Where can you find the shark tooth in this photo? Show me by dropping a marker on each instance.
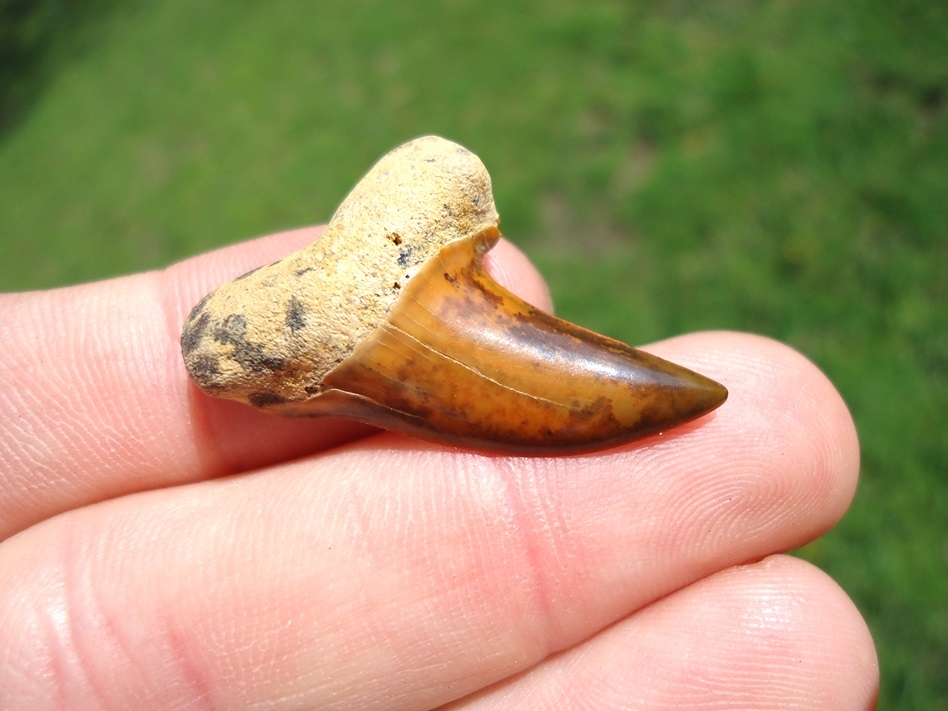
(390, 318)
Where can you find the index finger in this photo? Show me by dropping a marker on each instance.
(97, 402)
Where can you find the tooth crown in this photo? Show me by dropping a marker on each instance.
(272, 335)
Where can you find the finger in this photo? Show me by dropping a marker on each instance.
(397, 573)
(777, 634)
(96, 402)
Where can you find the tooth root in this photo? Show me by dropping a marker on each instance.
(460, 359)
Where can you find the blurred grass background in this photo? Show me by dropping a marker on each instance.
(777, 167)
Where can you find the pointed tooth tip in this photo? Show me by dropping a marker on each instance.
(704, 394)
(677, 395)
(715, 394)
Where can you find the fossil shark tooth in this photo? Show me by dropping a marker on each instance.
(391, 318)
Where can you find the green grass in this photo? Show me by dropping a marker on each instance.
(773, 167)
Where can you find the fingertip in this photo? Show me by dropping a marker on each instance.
(795, 603)
(784, 427)
(801, 635)
(801, 400)
(780, 626)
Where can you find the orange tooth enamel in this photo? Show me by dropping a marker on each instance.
(462, 360)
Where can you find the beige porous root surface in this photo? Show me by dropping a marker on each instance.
(271, 336)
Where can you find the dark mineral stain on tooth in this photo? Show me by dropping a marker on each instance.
(204, 368)
(247, 274)
(199, 306)
(295, 315)
(262, 399)
(194, 331)
(250, 356)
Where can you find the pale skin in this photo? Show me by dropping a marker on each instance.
(165, 550)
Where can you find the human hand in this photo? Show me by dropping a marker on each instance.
(164, 550)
